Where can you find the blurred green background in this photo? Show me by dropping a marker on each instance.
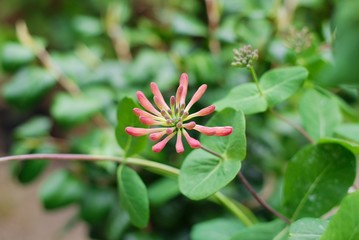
(65, 65)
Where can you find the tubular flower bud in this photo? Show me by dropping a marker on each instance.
(168, 121)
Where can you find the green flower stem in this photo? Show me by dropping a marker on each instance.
(212, 152)
(255, 79)
(251, 190)
(295, 126)
(231, 206)
(156, 167)
(260, 200)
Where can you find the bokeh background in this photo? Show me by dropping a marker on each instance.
(65, 65)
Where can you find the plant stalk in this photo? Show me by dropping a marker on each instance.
(255, 79)
(260, 200)
(156, 167)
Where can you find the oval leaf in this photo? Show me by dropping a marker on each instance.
(203, 174)
(316, 180)
(232, 146)
(215, 229)
(60, 189)
(28, 86)
(260, 231)
(71, 110)
(319, 119)
(279, 84)
(125, 118)
(245, 97)
(133, 196)
(345, 223)
(307, 229)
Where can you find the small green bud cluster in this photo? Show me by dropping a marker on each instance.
(244, 57)
(299, 40)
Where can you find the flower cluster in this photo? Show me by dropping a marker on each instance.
(299, 40)
(244, 56)
(166, 121)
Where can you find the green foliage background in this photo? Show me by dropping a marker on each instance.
(60, 92)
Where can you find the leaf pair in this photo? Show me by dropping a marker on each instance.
(276, 85)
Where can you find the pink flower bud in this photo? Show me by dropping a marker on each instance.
(157, 136)
(209, 131)
(160, 104)
(193, 143)
(197, 95)
(149, 121)
(203, 112)
(160, 145)
(141, 113)
(157, 93)
(223, 131)
(178, 96)
(184, 84)
(147, 104)
(190, 125)
(179, 144)
(136, 132)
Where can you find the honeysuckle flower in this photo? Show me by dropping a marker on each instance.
(167, 121)
(245, 56)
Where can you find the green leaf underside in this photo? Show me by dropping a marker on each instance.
(245, 97)
(162, 191)
(345, 223)
(203, 174)
(126, 118)
(233, 146)
(317, 178)
(60, 189)
(28, 86)
(279, 84)
(320, 114)
(221, 228)
(353, 147)
(133, 196)
(260, 231)
(349, 131)
(72, 110)
(307, 229)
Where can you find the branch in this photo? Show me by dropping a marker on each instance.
(295, 126)
(260, 200)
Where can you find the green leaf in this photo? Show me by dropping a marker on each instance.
(345, 223)
(35, 127)
(352, 146)
(162, 191)
(15, 55)
(72, 110)
(96, 204)
(349, 131)
(117, 223)
(187, 25)
(133, 196)
(244, 97)
(260, 231)
(320, 114)
(28, 86)
(232, 146)
(203, 174)
(27, 171)
(87, 26)
(126, 118)
(316, 180)
(281, 83)
(60, 189)
(307, 229)
(221, 228)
